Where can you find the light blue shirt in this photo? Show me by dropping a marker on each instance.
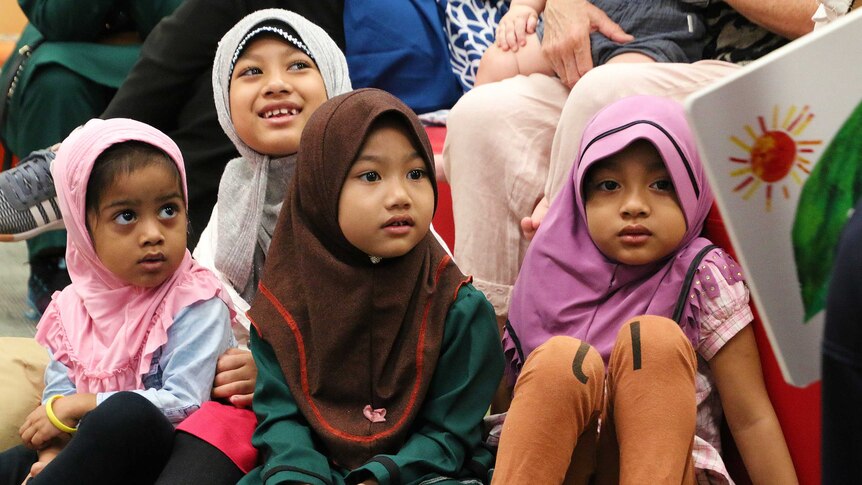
(181, 371)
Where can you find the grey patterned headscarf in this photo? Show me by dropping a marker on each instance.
(248, 205)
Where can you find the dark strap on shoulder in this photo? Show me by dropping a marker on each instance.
(686, 285)
(8, 83)
(517, 342)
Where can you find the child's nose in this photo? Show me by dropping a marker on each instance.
(276, 83)
(635, 204)
(151, 232)
(397, 195)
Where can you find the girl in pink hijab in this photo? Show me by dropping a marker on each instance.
(625, 324)
(140, 314)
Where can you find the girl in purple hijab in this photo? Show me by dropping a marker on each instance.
(625, 324)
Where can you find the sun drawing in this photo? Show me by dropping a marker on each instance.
(774, 154)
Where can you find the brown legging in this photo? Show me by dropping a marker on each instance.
(551, 432)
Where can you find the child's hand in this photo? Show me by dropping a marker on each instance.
(235, 377)
(37, 430)
(514, 27)
(530, 224)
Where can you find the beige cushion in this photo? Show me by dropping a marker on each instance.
(22, 376)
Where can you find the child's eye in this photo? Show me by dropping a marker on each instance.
(250, 71)
(125, 217)
(298, 66)
(169, 211)
(416, 174)
(370, 177)
(663, 185)
(607, 185)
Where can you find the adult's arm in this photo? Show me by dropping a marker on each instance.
(788, 18)
(181, 49)
(568, 24)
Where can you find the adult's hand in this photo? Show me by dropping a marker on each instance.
(235, 377)
(566, 43)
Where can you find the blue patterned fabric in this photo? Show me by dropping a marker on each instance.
(470, 25)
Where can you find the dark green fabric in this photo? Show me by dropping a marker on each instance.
(71, 33)
(446, 434)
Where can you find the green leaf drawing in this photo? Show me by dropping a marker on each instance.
(827, 198)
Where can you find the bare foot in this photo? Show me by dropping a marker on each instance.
(529, 225)
(45, 457)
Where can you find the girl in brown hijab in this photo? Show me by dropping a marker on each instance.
(377, 358)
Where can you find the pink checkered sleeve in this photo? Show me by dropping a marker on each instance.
(722, 317)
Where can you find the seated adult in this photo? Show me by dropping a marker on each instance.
(70, 59)
(510, 144)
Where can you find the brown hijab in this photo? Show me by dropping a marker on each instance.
(356, 340)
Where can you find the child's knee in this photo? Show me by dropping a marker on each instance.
(658, 340)
(563, 358)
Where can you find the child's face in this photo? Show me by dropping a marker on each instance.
(139, 227)
(387, 201)
(633, 214)
(274, 89)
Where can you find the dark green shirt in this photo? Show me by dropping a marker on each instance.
(446, 436)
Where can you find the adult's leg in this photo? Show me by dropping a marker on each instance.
(56, 100)
(610, 82)
(194, 461)
(549, 435)
(496, 155)
(842, 361)
(15, 465)
(652, 411)
(126, 439)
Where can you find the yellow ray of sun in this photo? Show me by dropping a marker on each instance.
(740, 143)
(740, 171)
(751, 132)
(756, 185)
(788, 117)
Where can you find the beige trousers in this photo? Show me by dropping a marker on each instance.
(646, 403)
(509, 143)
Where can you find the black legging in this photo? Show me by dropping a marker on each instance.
(126, 439)
(194, 461)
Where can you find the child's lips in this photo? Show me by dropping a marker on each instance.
(398, 225)
(635, 234)
(279, 113)
(152, 261)
(276, 111)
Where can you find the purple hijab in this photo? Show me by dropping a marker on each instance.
(566, 286)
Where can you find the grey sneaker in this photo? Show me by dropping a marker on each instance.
(28, 201)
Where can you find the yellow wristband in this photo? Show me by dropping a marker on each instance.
(49, 409)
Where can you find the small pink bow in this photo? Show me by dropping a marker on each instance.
(374, 415)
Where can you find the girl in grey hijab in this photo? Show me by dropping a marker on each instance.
(251, 191)
(271, 71)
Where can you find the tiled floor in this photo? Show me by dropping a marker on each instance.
(13, 291)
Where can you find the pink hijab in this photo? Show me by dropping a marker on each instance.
(104, 330)
(566, 286)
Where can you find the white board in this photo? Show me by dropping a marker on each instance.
(763, 134)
